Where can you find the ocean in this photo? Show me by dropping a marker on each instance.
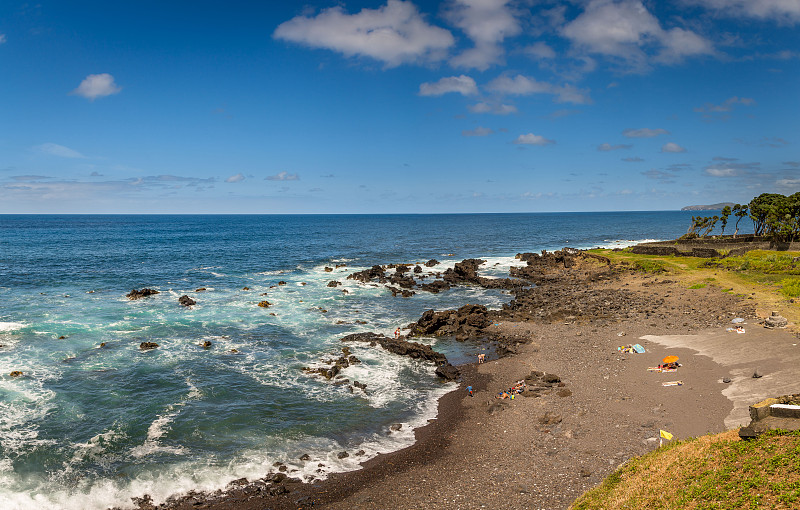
(88, 426)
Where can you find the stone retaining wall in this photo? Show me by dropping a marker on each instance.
(712, 247)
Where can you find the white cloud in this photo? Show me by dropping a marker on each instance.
(59, 150)
(644, 132)
(522, 86)
(783, 11)
(282, 176)
(531, 139)
(463, 84)
(788, 183)
(626, 29)
(540, 51)
(708, 109)
(721, 171)
(678, 43)
(395, 33)
(605, 147)
(672, 147)
(731, 169)
(519, 85)
(97, 85)
(487, 23)
(634, 159)
(235, 178)
(496, 109)
(478, 131)
(3, 38)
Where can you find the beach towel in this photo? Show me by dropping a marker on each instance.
(638, 348)
(672, 383)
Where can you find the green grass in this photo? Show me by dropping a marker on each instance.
(767, 262)
(649, 266)
(718, 471)
(698, 286)
(790, 287)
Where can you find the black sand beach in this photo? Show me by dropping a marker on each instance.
(557, 439)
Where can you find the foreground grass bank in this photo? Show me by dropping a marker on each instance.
(717, 471)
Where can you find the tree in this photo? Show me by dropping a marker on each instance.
(783, 218)
(740, 211)
(710, 221)
(726, 211)
(760, 208)
(701, 226)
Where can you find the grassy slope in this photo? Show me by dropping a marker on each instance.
(716, 471)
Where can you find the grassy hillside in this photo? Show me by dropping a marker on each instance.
(717, 471)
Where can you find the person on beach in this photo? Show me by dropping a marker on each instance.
(481, 358)
(469, 390)
(397, 333)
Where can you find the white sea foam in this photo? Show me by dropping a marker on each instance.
(7, 327)
(161, 426)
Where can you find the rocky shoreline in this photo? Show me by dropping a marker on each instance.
(567, 316)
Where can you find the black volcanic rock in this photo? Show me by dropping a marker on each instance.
(465, 271)
(374, 273)
(186, 300)
(466, 322)
(138, 294)
(403, 347)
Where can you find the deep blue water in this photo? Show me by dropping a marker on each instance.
(90, 427)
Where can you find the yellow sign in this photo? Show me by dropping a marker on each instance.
(666, 435)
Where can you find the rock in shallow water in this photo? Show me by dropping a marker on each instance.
(186, 300)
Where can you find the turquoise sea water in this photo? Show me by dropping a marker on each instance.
(90, 427)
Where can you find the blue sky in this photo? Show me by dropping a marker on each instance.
(396, 106)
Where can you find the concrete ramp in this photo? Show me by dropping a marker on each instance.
(775, 354)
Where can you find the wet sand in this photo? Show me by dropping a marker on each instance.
(543, 451)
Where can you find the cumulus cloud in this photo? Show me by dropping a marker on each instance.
(235, 178)
(520, 85)
(625, 29)
(531, 139)
(487, 23)
(496, 109)
(644, 132)
(478, 131)
(282, 176)
(395, 33)
(672, 147)
(605, 147)
(463, 85)
(97, 85)
(782, 11)
(59, 150)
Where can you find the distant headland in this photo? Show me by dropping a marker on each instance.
(712, 207)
